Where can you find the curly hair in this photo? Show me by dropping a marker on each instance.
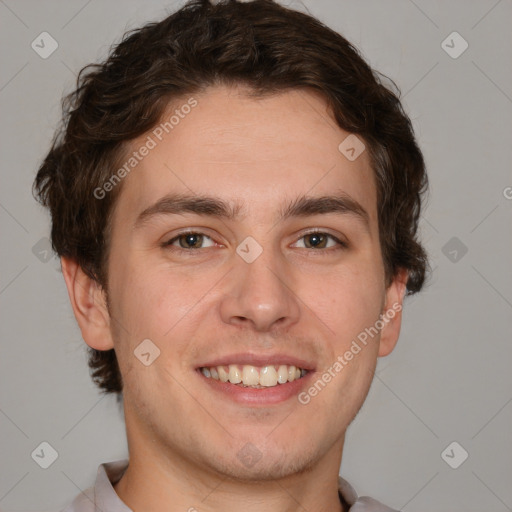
(259, 44)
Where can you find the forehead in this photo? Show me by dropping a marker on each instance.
(252, 151)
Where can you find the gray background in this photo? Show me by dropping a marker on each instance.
(449, 378)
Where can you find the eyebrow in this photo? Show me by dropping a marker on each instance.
(303, 206)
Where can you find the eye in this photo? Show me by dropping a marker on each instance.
(189, 240)
(320, 240)
(192, 240)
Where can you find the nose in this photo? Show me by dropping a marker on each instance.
(260, 295)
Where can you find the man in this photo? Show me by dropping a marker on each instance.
(235, 199)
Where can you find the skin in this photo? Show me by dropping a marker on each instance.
(295, 299)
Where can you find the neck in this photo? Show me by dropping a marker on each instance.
(177, 479)
(148, 487)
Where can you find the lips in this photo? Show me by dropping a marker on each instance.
(217, 374)
(269, 394)
(259, 360)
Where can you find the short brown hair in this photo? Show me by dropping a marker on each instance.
(259, 44)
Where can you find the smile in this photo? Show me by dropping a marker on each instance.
(254, 376)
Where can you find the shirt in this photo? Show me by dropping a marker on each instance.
(103, 497)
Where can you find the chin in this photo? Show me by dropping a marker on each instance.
(272, 463)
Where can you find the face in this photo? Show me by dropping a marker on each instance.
(279, 264)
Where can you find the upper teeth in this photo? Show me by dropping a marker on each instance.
(248, 375)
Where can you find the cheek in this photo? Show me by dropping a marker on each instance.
(152, 306)
(164, 306)
(150, 300)
(347, 301)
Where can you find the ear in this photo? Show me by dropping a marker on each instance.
(392, 313)
(89, 305)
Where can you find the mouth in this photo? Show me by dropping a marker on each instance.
(253, 386)
(255, 377)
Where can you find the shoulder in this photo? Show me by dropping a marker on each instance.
(356, 503)
(84, 502)
(102, 496)
(367, 504)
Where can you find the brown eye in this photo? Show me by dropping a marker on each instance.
(320, 240)
(315, 240)
(189, 240)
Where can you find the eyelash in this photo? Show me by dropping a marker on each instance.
(168, 243)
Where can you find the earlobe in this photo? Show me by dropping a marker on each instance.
(392, 313)
(89, 305)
